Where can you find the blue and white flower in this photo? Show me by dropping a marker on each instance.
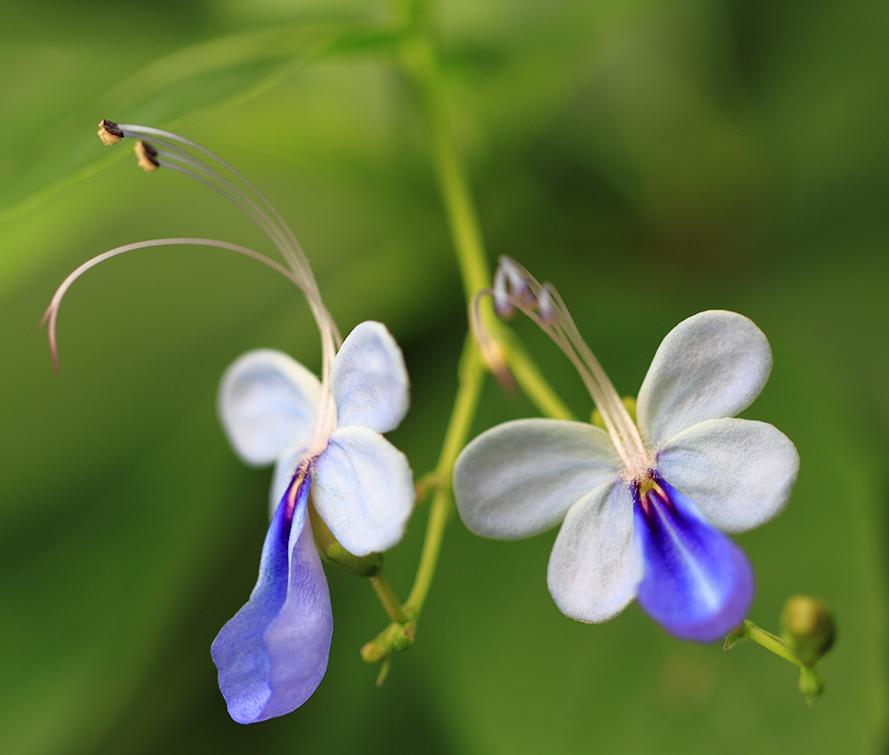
(325, 440)
(643, 505)
(324, 437)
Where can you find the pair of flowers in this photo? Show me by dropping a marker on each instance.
(643, 503)
(653, 532)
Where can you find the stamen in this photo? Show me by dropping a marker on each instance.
(518, 285)
(168, 149)
(295, 487)
(543, 304)
(283, 238)
(490, 348)
(109, 132)
(51, 315)
(146, 155)
(500, 292)
(294, 253)
(647, 491)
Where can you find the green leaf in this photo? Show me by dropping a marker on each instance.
(216, 74)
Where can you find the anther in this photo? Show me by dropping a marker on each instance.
(502, 304)
(515, 282)
(146, 155)
(109, 132)
(545, 307)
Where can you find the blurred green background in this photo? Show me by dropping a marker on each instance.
(652, 159)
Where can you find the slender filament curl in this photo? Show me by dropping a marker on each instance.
(543, 305)
(51, 316)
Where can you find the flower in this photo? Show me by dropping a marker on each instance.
(272, 654)
(325, 437)
(643, 505)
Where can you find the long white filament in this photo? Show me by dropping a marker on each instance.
(295, 254)
(543, 304)
(50, 318)
(222, 177)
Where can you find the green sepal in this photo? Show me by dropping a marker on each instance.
(333, 553)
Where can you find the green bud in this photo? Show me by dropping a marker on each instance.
(810, 684)
(808, 628)
(629, 403)
(333, 553)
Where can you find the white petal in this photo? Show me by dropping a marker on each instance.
(519, 478)
(267, 403)
(364, 490)
(595, 566)
(739, 472)
(711, 365)
(369, 379)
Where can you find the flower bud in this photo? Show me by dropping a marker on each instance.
(331, 551)
(810, 684)
(808, 628)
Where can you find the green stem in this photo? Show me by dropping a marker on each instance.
(421, 66)
(809, 683)
(420, 63)
(534, 385)
(770, 642)
(387, 598)
(470, 386)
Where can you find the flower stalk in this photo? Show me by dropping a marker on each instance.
(420, 64)
(498, 353)
(801, 646)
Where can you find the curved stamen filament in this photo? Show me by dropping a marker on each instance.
(206, 175)
(50, 318)
(268, 219)
(296, 256)
(544, 306)
(195, 161)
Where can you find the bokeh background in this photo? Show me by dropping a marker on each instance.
(653, 159)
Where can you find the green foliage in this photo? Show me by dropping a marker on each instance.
(226, 72)
(653, 160)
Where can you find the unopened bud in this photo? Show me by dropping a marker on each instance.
(545, 305)
(509, 279)
(109, 132)
(331, 551)
(146, 155)
(810, 684)
(502, 305)
(808, 628)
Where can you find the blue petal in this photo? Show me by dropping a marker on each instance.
(272, 654)
(697, 583)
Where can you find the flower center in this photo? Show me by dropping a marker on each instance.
(648, 492)
(300, 478)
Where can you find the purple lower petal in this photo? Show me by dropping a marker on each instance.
(697, 583)
(272, 655)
